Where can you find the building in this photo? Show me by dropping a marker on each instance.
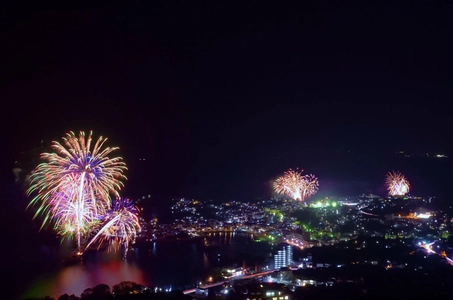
(297, 239)
(232, 272)
(284, 258)
(280, 259)
(261, 291)
(289, 255)
(307, 262)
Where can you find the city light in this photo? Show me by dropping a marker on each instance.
(423, 216)
(323, 204)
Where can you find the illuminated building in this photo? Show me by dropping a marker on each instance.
(284, 258)
(232, 272)
(261, 291)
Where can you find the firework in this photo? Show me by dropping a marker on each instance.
(74, 183)
(397, 184)
(290, 184)
(73, 217)
(121, 224)
(311, 186)
(296, 186)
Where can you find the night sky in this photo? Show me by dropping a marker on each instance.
(221, 98)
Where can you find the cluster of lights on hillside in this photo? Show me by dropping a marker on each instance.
(323, 204)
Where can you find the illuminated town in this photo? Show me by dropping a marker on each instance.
(390, 232)
(310, 236)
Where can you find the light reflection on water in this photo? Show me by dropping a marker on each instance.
(158, 264)
(74, 279)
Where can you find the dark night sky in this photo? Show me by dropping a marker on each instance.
(221, 98)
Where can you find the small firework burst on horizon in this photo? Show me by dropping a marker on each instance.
(295, 185)
(397, 184)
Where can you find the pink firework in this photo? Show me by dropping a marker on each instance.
(296, 186)
(311, 186)
(120, 225)
(397, 184)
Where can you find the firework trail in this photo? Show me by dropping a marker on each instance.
(73, 217)
(397, 184)
(74, 182)
(296, 186)
(311, 186)
(120, 224)
(290, 184)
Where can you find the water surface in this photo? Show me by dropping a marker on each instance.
(164, 264)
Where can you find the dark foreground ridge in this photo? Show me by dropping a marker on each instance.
(358, 283)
